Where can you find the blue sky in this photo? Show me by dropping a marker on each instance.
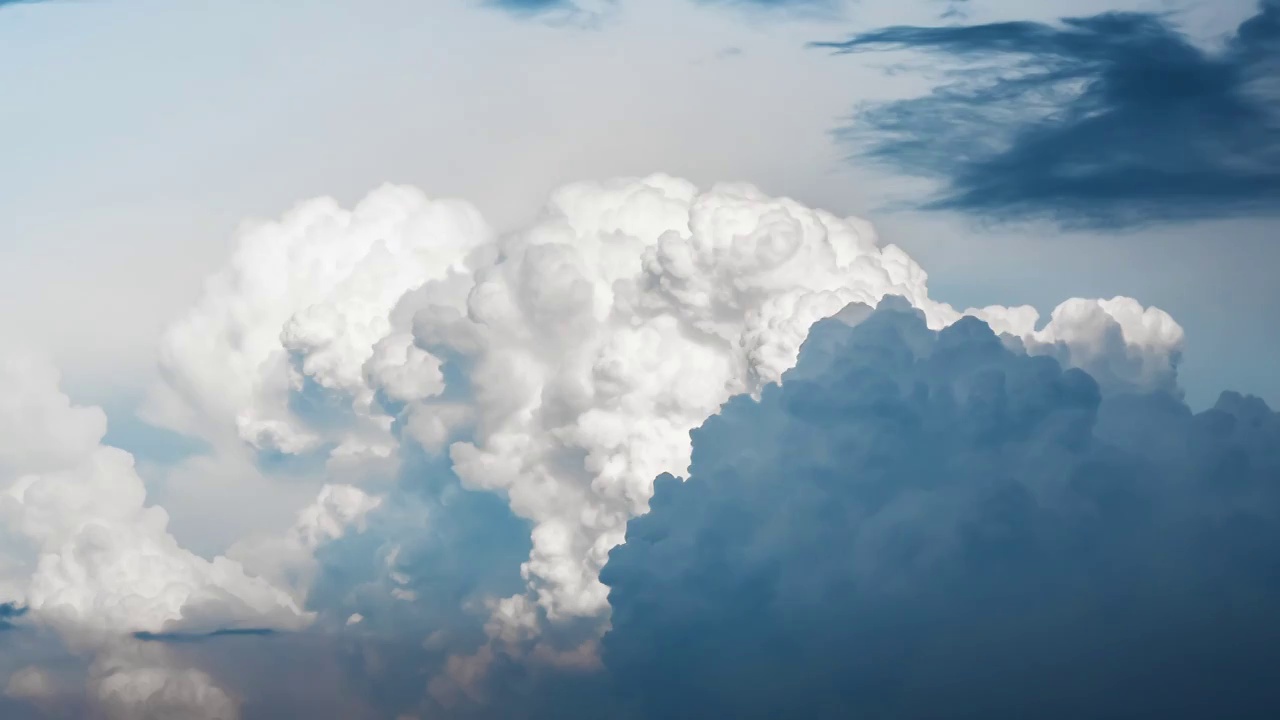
(135, 172)
(161, 247)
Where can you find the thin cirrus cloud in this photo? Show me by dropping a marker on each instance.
(1113, 120)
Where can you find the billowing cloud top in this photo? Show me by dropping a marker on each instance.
(90, 557)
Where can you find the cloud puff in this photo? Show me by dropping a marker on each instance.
(290, 324)
(923, 523)
(1111, 120)
(144, 682)
(289, 560)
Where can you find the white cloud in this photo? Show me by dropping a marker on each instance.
(1122, 344)
(86, 556)
(302, 304)
(289, 560)
(30, 683)
(145, 683)
(590, 342)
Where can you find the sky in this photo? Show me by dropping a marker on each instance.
(351, 337)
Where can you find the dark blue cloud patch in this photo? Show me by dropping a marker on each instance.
(923, 524)
(530, 7)
(1112, 120)
(188, 638)
(8, 613)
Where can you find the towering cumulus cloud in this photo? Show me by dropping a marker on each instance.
(930, 524)
(560, 366)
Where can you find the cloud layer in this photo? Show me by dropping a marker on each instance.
(923, 524)
(1111, 120)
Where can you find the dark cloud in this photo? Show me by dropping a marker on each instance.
(8, 613)
(925, 524)
(1105, 121)
(171, 637)
(530, 7)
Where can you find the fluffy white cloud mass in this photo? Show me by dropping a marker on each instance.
(85, 553)
(562, 365)
(301, 306)
(82, 553)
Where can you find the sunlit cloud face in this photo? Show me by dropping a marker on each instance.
(1111, 120)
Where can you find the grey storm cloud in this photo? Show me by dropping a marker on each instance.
(1113, 120)
(922, 524)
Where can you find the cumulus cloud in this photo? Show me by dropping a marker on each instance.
(85, 555)
(291, 323)
(1065, 122)
(142, 683)
(30, 683)
(289, 561)
(560, 366)
(1121, 343)
(922, 523)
